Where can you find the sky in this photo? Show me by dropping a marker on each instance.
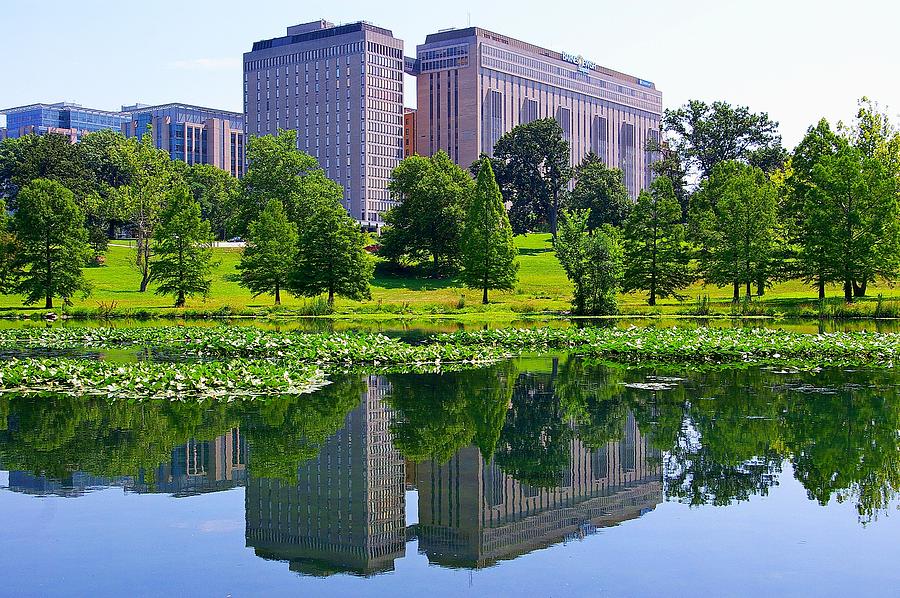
(797, 60)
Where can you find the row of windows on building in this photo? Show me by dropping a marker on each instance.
(307, 56)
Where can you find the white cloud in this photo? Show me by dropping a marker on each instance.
(206, 64)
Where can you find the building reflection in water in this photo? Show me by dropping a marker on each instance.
(472, 514)
(346, 511)
(196, 467)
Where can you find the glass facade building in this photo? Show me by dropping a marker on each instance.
(192, 134)
(72, 120)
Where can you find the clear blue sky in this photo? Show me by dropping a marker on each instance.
(798, 60)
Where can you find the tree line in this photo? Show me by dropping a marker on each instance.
(67, 201)
(728, 206)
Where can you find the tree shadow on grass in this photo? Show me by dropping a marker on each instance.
(530, 251)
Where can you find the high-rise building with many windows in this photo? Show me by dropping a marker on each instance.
(192, 134)
(474, 85)
(62, 118)
(341, 89)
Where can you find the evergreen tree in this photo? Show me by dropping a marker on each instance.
(489, 251)
(331, 256)
(183, 263)
(733, 218)
(656, 257)
(268, 258)
(592, 260)
(51, 243)
(601, 190)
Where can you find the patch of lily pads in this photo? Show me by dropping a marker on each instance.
(236, 379)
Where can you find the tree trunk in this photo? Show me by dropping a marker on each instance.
(749, 292)
(484, 297)
(179, 302)
(821, 289)
(848, 291)
(737, 292)
(48, 302)
(859, 290)
(277, 295)
(330, 297)
(554, 214)
(760, 288)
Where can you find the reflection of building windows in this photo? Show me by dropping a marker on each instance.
(600, 138)
(529, 111)
(494, 485)
(626, 156)
(600, 463)
(628, 447)
(495, 104)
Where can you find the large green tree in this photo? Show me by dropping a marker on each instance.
(276, 169)
(217, 193)
(183, 256)
(734, 219)
(532, 169)
(489, 251)
(602, 190)
(331, 256)
(592, 260)
(656, 255)
(428, 221)
(704, 135)
(142, 199)
(268, 258)
(51, 243)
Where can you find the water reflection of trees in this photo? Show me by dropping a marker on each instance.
(724, 434)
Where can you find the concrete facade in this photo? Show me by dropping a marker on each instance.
(474, 85)
(409, 133)
(341, 89)
(192, 134)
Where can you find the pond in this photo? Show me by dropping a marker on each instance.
(538, 476)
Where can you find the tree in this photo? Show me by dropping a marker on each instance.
(275, 169)
(489, 251)
(733, 219)
(602, 190)
(331, 256)
(656, 256)
(216, 191)
(52, 243)
(592, 260)
(532, 164)
(183, 263)
(142, 200)
(809, 219)
(429, 218)
(705, 135)
(268, 258)
(858, 197)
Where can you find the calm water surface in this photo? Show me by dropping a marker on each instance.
(544, 476)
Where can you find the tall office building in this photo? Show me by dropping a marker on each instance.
(346, 511)
(61, 118)
(474, 85)
(341, 89)
(192, 134)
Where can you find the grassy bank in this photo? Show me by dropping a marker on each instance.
(543, 291)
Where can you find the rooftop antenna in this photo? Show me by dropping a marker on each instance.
(469, 14)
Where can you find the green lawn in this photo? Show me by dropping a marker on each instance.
(542, 289)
